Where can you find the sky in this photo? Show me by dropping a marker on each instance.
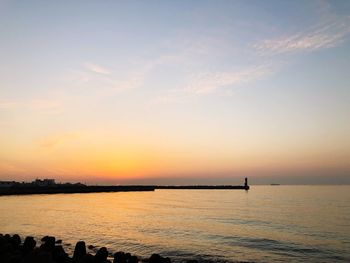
(175, 92)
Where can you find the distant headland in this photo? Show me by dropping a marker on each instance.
(49, 186)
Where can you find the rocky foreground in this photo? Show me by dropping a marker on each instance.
(13, 250)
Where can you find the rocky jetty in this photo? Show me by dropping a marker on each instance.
(50, 250)
(28, 189)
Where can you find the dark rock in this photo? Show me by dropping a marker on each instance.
(11, 251)
(88, 258)
(29, 244)
(59, 255)
(5, 258)
(49, 244)
(101, 255)
(156, 258)
(119, 257)
(44, 257)
(5, 247)
(30, 257)
(91, 247)
(79, 251)
(7, 238)
(2, 241)
(133, 259)
(44, 239)
(16, 240)
(16, 258)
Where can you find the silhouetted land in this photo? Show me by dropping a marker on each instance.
(13, 250)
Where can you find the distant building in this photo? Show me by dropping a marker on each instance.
(44, 182)
(4, 184)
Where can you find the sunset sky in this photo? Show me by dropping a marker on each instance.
(175, 91)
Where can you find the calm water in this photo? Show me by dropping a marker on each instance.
(266, 224)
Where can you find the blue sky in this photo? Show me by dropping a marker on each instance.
(188, 89)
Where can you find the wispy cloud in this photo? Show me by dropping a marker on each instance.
(325, 35)
(212, 82)
(219, 83)
(183, 50)
(97, 69)
(108, 81)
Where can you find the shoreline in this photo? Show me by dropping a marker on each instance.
(49, 250)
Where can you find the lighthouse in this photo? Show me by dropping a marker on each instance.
(246, 186)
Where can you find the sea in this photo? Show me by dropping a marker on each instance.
(264, 224)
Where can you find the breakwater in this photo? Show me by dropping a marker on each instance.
(28, 190)
(63, 189)
(13, 250)
(204, 187)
